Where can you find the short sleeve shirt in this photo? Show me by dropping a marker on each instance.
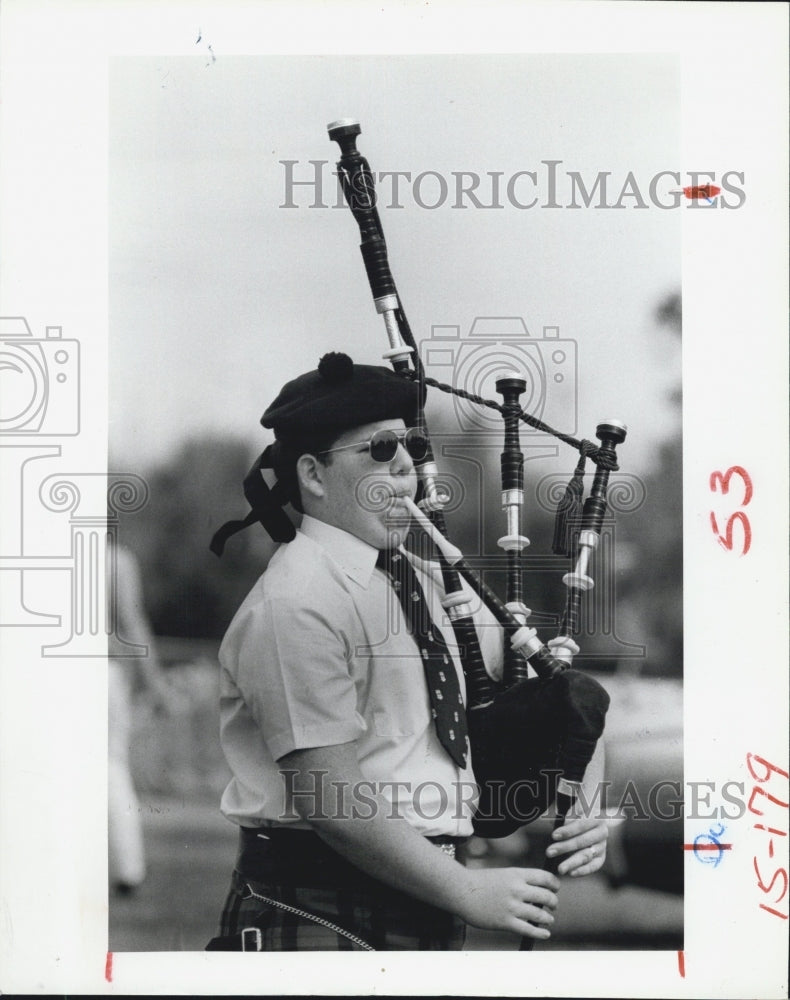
(318, 655)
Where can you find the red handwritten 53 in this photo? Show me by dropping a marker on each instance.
(720, 483)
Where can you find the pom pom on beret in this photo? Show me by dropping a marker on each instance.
(335, 368)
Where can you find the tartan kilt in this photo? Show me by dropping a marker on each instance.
(382, 918)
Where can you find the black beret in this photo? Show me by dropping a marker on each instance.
(340, 395)
(318, 406)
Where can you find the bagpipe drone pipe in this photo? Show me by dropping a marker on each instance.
(537, 733)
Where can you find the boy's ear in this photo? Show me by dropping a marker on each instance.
(310, 473)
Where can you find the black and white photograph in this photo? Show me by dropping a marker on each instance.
(507, 198)
(387, 500)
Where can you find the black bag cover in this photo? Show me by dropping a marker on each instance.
(529, 736)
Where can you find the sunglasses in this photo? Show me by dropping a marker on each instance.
(383, 446)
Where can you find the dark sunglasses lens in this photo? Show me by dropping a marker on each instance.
(416, 444)
(383, 446)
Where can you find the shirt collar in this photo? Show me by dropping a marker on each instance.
(356, 558)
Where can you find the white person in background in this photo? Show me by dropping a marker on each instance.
(130, 678)
(343, 785)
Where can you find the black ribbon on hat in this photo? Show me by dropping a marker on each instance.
(267, 505)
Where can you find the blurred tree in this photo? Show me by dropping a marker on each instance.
(652, 588)
(188, 590)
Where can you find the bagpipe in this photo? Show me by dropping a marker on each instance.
(532, 737)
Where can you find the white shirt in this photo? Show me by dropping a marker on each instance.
(319, 654)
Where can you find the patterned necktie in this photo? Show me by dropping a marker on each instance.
(447, 706)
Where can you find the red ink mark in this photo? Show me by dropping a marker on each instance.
(707, 847)
(780, 872)
(768, 767)
(720, 482)
(702, 191)
(762, 791)
(727, 540)
(723, 479)
(682, 964)
(779, 875)
(770, 829)
(108, 967)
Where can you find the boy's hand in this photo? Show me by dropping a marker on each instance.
(512, 899)
(584, 841)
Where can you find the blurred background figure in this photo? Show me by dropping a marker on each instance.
(129, 678)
